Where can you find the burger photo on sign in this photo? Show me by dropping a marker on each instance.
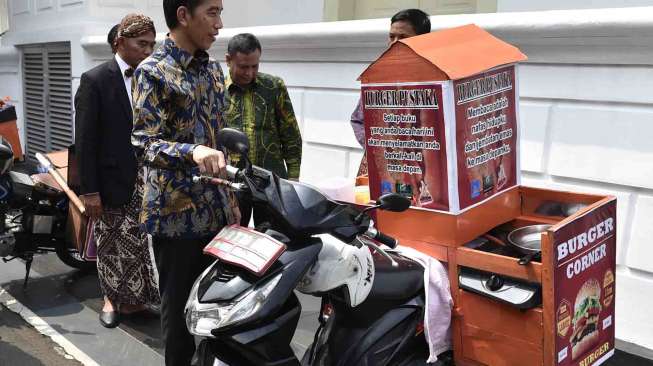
(585, 334)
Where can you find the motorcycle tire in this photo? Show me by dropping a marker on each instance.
(204, 356)
(72, 258)
(324, 360)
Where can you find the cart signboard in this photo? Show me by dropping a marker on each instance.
(486, 134)
(441, 123)
(406, 145)
(584, 287)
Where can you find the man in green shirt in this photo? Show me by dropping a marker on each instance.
(259, 105)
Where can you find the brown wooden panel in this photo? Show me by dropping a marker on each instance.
(495, 263)
(451, 230)
(534, 197)
(494, 349)
(9, 130)
(493, 333)
(502, 318)
(436, 251)
(401, 64)
(548, 300)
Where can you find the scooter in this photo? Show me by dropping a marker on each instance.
(33, 214)
(244, 307)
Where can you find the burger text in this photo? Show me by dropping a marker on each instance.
(578, 242)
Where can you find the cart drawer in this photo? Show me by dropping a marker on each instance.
(498, 334)
(493, 349)
(489, 262)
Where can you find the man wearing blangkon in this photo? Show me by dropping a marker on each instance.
(178, 100)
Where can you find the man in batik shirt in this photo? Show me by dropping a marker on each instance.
(178, 99)
(258, 104)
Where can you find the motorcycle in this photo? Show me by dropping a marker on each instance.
(33, 215)
(244, 309)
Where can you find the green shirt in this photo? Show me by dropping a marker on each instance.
(263, 111)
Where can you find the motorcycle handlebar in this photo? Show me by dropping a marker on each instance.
(231, 171)
(382, 238)
(218, 182)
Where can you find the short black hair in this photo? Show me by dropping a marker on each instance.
(170, 10)
(417, 18)
(244, 43)
(111, 37)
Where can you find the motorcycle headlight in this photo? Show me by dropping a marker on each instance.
(202, 318)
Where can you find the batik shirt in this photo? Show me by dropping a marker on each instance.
(178, 100)
(263, 111)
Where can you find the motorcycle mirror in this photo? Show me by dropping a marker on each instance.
(233, 140)
(393, 202)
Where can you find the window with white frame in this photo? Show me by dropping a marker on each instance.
(4, 17)
(48, 97)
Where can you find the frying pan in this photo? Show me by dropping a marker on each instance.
(527, 240)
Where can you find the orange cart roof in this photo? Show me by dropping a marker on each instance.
(457, 52)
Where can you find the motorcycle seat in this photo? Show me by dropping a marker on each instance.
(396, 283)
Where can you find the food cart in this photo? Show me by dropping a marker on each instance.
(442, 128)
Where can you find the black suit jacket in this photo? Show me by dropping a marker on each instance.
(103, 127)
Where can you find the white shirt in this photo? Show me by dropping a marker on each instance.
(128, 80)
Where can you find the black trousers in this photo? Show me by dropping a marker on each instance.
(179, 263)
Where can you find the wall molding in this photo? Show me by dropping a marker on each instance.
(597, 36)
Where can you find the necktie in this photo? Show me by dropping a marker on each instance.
(129, 72)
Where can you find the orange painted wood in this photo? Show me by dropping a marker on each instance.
(400, 64)
(492, 333)
(436, 251)
(453, 53)
(9, 130)
(491, 348)
(447, 229)
(548, 304)
(600, 201)
(500, 264)
(536, 220)
(533, 197)
(501, 319)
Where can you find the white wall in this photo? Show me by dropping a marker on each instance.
(586, 112)
(242, 13)
(533, 5)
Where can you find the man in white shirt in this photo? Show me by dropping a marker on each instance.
(108, 172)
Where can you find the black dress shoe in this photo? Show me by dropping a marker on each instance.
(109, 319)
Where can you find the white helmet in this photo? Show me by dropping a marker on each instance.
(340, 264)
(6, 155)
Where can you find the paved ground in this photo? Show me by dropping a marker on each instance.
(21, 344)
(69, 302)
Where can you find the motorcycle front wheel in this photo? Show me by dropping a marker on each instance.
(204, 356)
(72, 258)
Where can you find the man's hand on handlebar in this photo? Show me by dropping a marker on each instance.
(210, 161)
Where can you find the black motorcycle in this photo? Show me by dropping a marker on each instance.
(33, 215)
(244, 306)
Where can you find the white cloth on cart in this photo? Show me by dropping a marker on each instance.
(439, 304)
